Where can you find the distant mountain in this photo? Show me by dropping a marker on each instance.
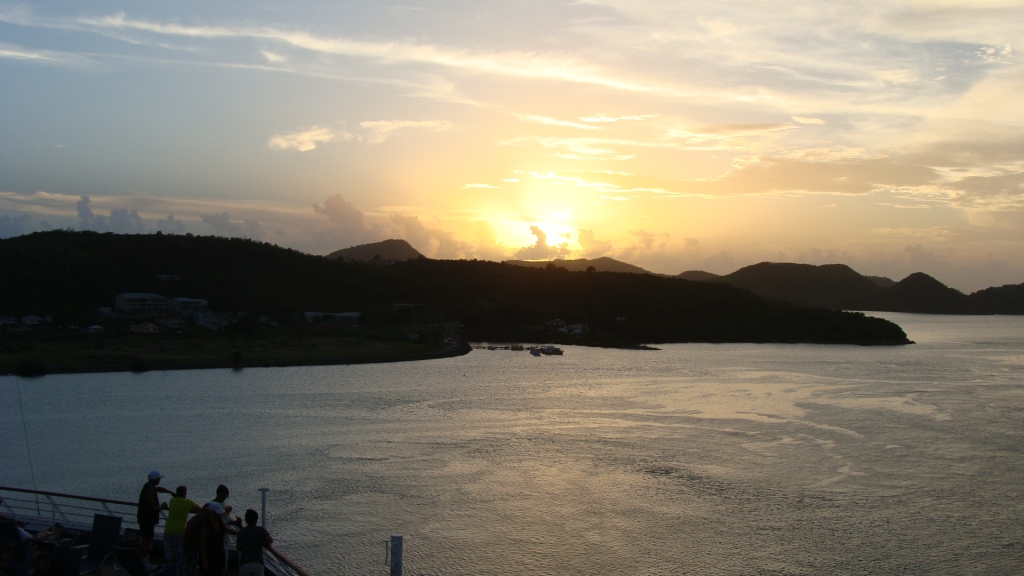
(882, 281)
(602, 264)
(71, 274)
(387, 251)
(920, 292)
(1008, 299)
(829, 286)
(839, 287)
(697, 275)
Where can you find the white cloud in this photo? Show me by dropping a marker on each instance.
(273, 57)
(514, 63)
(380, 130)
(605, 118)
(554, 122)
(16, 53)
(306, 140)
(717, 27)
(807, 120)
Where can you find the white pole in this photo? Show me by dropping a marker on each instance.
(396, 555)
(263, 512)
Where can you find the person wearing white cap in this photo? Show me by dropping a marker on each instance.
(212, 559)
(149, 512)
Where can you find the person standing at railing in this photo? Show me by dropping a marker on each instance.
(149, 512)
(178, 509)
(226, 517)
(211, 541)
(251, 541)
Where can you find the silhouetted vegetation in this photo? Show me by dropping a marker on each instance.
(838, 286)
(70, 274)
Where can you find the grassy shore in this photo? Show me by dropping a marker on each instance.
(32, 353)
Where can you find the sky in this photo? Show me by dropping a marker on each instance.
(886, 135)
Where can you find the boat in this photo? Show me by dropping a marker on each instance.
(516, 347)
(535, 351)
(551, 351)
(74, 520)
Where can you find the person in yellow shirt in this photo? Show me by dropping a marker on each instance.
(178, 509)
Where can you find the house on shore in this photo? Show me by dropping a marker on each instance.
(145, 328)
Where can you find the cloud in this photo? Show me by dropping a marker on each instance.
(380, 130)
(171, 225)
(17, 53)
(717, 27)
(273, 57)
(120, 220)
(223, 226)
(766, 175)
(541, 250)
(85, 214)
(13, 52)
(341, 212)
(599, 118)
(11, 226)
(806, 120)
(306, 140)
(487, 245)
(433, 242)
(515, 63)
(1004, 187)
(592, 247)
(554, 122)
(648, 241)
(480, 186)
(350, 225)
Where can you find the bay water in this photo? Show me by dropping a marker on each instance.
(695, 459)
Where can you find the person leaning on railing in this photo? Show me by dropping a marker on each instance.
(149, 512)
(178, 509)
(250, 543)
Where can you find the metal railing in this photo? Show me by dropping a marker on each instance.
(280, 564)
(39, 508)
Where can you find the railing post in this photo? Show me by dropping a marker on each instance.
(263, 511)
(396, 555)
(54, 508)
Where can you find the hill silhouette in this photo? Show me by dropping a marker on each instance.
(829, 286)
(839, 287)
(696, 275)
(602, 264)
(387, 251)
(70, 274)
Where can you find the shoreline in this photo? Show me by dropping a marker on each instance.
(140, 367)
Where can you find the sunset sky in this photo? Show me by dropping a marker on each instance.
(887, 135)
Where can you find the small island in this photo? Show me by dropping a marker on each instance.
(83, 301)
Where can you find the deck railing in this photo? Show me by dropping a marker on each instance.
(39, 509)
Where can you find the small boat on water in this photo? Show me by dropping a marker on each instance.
(516, 347)
(547, 350)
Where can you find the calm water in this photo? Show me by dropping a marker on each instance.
(698, 459)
